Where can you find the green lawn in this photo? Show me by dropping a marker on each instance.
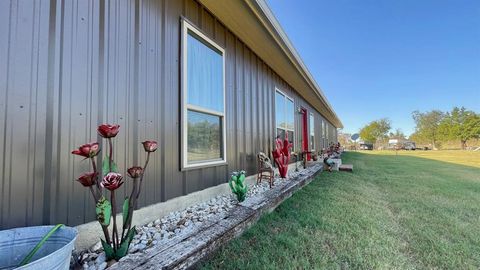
(410, 211)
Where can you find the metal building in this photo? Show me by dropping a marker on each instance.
(68, 65)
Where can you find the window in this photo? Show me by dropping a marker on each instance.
(323, 133)
(312, 132)
(327, 135)
(284, 115)
(203, 100)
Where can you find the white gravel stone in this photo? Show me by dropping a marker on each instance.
(102, 266)
(96, 247)
(101, 258)
(141, 246)
(180, 222)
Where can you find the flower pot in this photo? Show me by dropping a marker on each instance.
(55, 253)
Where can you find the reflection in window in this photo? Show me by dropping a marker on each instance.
(326, 135)
(204, 111)
(204, 75)
(323, 133)
(204, 137)
(312, 132)
(280, 110)
(289, 112)
(284, 116)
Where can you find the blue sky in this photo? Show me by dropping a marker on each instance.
(387, 58)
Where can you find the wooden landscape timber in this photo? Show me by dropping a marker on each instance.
(185, 251)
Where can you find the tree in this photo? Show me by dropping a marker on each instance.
(460, 124)
(427, 125)
(375, 130)
(343, 138)
(414, 137)
(397, 135)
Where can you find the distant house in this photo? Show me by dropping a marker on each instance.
(395, 143)
(160, 69)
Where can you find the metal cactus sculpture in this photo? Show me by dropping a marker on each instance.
(116, 245)
(238, 185)
(281, 155)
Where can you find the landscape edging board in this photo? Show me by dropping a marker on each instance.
(186, 251)
(89, 233)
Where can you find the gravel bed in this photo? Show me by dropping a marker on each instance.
(176, 224)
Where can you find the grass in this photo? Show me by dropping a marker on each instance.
(469, 158)
(411, 211)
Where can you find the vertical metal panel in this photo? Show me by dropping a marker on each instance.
(240, 104)
(173, 186)
(260, 108)
(266, 110)
(254, 119)
(231, 108)
(220, 35)
(247, 110)
(76, 113)
(23, 50)
(150, 91)
(271, 107)
(68, 65)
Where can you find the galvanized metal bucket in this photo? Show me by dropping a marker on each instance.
(55, 253)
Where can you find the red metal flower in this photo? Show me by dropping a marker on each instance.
(88, 150)
(150, 146)
(87, 179)
(112, 181)
(135, 172)
(108, 131)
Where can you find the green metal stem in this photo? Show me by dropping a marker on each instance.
(27, 259)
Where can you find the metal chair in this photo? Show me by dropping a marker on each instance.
(265, 169)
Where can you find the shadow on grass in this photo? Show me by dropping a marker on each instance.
(398, 212)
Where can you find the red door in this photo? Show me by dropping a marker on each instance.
(305, 132)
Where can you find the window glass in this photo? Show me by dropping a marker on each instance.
(284, 116)
(289, 114)
(290, 136)
(323, 129)
(205, 75)
(204, 137)
(280, 110)
(312, 132)
(281, 133)
(203, 112)
(323, 134)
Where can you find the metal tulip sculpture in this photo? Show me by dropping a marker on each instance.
(281, 155)
(115, 246)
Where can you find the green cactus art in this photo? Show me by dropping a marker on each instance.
(238, 185)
